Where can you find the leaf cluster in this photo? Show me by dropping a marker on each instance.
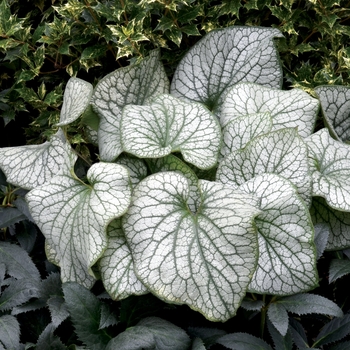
(80, 37)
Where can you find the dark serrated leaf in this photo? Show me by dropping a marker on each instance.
(321, 238)
(333, 331)
(58, 310)
(243, 341)
(303, 304)
(48, 340)
(341, 346)
(209, 335)
(26, 235)
(9, 332)
(252, 305)
(338, 268)
(151, 333)
(17, 293)
(108, 316)
(2, 273)
(22, 206)
(18, 262)
(10, 216)
(198, 344)
(278, 316)
(280, 342)
(298, 334)
(85, 311)
(30, 306)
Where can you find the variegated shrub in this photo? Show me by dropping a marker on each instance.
(206, 188)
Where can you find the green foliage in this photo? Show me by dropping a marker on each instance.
(249, 212)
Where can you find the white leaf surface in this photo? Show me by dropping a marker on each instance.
(171, 125)
(335, 104)
(129, 85)
(76, 98)
(74, 216)
(288, 109)
(203, 259)
(33, 165)
(224, 58)
(330, 167)
(172, 163)
(280, 152)
(287, 253)
(239, 131)
(116, 266)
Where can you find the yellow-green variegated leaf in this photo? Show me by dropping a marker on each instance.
(76, 98)
(224, 58)
(280, 152)
(116, 266)
(330, 167)
(292, 108)
(171, 125)
(335, 104)
(133, 84)
(338, 223)
(204, 259)
(33, 165)
(287, 253)
(74, 216)
(239, 131)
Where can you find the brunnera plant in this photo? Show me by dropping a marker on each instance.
(206, 188)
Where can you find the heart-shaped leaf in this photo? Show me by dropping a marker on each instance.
(129, 85)
(74, 216)
(33, 165)
(76, 98)
(280, 152)
(171, 125)
(204, 259)
(116, 266)
(292, 108)
(239, 131)
(330, 167)
(287, 254)
(338, 222)
(335, 103)
(224, 58)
